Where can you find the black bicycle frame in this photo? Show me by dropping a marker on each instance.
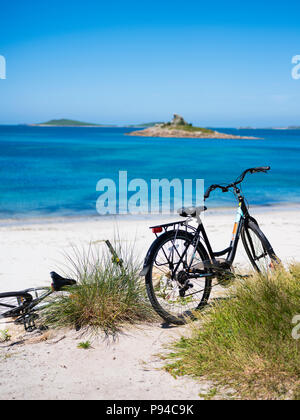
(25, 313)
(241, 217)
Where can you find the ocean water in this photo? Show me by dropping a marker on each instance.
(50, 171)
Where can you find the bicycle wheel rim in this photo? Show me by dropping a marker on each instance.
(164, 293)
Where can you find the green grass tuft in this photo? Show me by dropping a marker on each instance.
(106, 297)
(4, 336)
(246, 341)
(188, 127)
(209, 395)
(84, 345)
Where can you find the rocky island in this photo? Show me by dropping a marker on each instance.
(178, 127)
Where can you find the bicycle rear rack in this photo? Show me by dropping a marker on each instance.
(175, 226)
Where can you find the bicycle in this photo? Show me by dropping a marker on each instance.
(180, 264)
(23, 305)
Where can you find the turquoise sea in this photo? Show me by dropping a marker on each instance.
(50, 171)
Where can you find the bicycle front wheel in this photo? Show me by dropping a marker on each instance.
(175, 250)
(258, 248)
(12, 304)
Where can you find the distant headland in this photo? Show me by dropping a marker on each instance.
(64, 122)
(68, 123)
(178, 127)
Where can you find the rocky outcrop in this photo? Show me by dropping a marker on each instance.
(178, 120)
(178, 127)
(159, 131)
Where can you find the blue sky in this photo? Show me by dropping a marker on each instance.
(220, 63)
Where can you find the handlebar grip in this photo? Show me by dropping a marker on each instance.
(209, 190)
(260, 169)
(206, 195)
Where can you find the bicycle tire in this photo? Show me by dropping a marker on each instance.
(13, 304)
(253, 238)
(153, 296)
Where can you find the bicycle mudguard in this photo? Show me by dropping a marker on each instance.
(250, 218)
(145, 270)
(146, 265)
(147, 260)
(267, 244)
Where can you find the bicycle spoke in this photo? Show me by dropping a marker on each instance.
(181, 255)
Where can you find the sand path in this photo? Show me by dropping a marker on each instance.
(128, 368)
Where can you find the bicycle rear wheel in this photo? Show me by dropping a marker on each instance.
(13, 304)
(258, 248)
(163, 286)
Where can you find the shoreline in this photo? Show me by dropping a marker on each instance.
(78, 218)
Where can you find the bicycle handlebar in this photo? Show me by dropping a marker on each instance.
(238, 181)
(260, 169)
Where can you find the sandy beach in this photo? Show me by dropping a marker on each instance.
(121, 369)
(31, 249)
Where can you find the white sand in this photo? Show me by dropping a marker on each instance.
(28, 252)
(121, 370)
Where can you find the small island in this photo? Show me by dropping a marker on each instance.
(178, 127)
(68, 123)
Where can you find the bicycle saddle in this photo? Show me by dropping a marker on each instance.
(58, 282)
(191, 211)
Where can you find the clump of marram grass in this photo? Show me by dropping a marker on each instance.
(246, 341)
(84, 345)
(107, 294)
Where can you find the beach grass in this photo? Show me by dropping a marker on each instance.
(84, 345)
(246, 342)
(107, 296)
(4, 336)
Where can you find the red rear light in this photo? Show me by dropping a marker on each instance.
(157, 229)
